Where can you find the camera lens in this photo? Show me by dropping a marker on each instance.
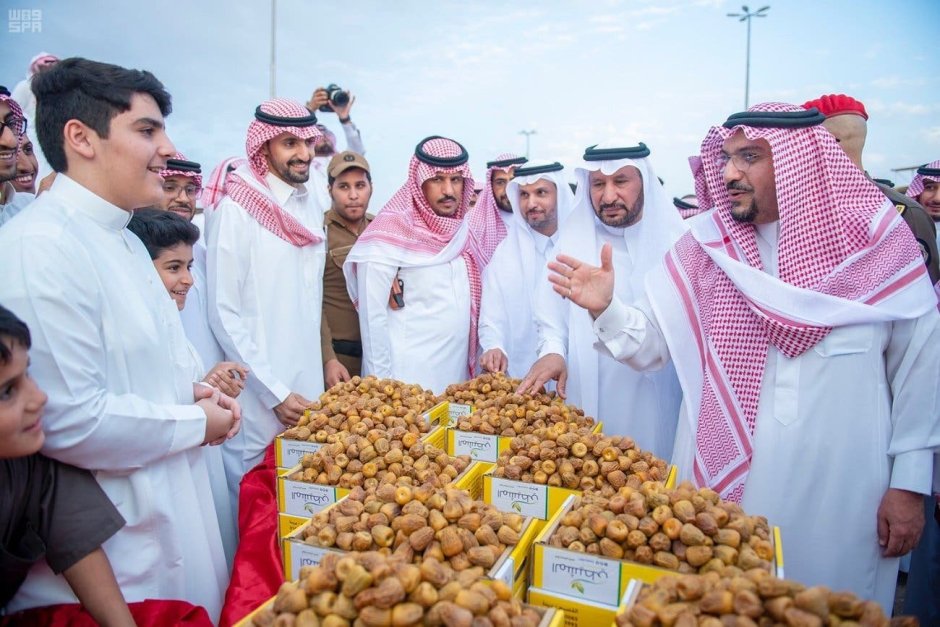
(339, 97)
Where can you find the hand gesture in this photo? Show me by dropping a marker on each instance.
(334, 372)
(547, 368)
(494, 360)
(900, 521)
(343, 112)
(290, 411)
(587, 286)
(223, 414)
(228, 377)
(319, 98)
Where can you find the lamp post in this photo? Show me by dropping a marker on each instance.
(527, 134)
(746, 17)
(273, 68)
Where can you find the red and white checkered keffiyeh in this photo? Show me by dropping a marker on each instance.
(838, 237)
(702, 196)
(15, 107)
(486, 196)
(407, 232)
(257, 198)
(917, 185)
(197, 178)
(214, 190)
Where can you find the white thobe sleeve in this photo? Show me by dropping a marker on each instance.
(493, 323)
(551, 319)
(87, 424)
(353, 138)
(631, 336)
(375, 281)
(912, 360)
(227, 269)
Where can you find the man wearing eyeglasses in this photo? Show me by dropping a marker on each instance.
(182, 183)
(12, 129)
(804, 330)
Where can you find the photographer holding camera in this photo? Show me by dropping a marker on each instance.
(331, 98)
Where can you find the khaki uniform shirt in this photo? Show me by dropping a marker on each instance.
(921, 224)
(340, 319)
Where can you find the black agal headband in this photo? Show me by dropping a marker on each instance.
(681, 204)
(277, 120)
(505, 163)
(594, 153)
(776, 119)
(925, 171)
(183, 166)
(538, 169)
(440, 162)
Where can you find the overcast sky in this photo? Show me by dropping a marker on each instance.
(480, 71)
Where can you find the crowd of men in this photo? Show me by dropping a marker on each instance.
(775, 335)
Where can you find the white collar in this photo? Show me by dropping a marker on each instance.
(82, 199)
(282, 190)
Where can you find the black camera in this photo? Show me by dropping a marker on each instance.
(337, 96)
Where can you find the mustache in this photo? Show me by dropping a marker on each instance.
(445, 198)
(298, 162)
(741, 187)
(613, 205)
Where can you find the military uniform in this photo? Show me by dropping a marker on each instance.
(339, 329)
(923, 227)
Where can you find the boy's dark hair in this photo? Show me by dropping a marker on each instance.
(331, 179)
(90, 92)
(15, 329)
(159, 230)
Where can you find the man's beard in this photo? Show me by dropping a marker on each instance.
(502, 202)
(292, 177)
(748, 216)
(632, 214)
(324, 150)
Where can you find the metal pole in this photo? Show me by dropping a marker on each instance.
(747, 65)
(273, 69)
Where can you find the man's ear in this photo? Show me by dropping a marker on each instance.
(80, 139)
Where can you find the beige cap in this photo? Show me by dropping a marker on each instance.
(345, 160)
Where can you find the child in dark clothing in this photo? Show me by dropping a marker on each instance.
(48, 510)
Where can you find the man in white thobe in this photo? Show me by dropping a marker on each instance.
(109, 348)
(805, 334)
(415, 273)
(620, 203)
(265, 252)
(499, 172)
(540, 199)
(11, 138)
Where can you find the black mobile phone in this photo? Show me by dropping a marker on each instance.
(400, 297)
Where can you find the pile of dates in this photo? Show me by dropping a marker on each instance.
(374, 590)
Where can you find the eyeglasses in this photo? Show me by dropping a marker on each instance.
(15, 123)
(174, 189)
(743, 159)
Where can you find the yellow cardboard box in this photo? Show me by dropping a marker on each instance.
(594, 577)
(300, 498)
(550, 617)
(510, 567)
(578, 612)
(287, 523)
(479, 446)
(288, 453)
(534, 499)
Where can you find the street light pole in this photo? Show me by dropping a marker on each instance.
(746, 17)
(527, 134)
(273, 68)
